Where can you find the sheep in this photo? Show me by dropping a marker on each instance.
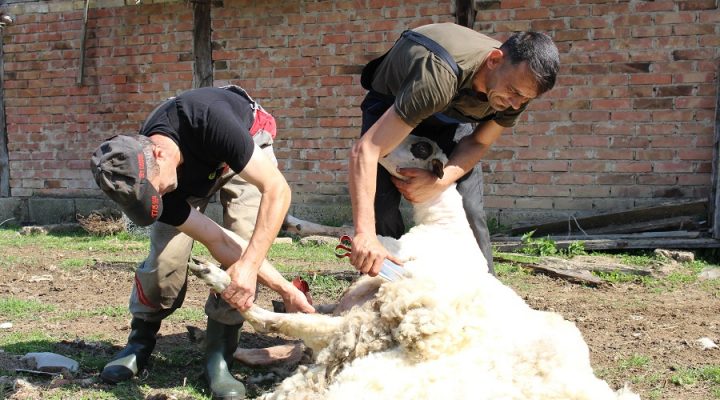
(448, 329)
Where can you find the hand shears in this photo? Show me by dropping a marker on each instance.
(389, 270)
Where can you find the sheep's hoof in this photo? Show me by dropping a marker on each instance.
(261, 320)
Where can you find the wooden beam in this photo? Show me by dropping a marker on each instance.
(501, 244)
(714, 203)
(202, 44)
(653, 213)
(81, 70)
(4, 157)
(465, 13)
(686, 223)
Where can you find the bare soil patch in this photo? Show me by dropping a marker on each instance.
(618, 321)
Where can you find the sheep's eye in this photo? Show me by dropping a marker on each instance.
(421, 150)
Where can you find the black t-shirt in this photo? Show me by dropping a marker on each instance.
(211, 126)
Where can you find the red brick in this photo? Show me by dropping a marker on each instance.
(646, 79)
(570, 10)
(680, 166)
(549, 165)
(610, 104)
(590, 191)
(636, 116)
(590, 116)
(695, 102)
(697, 5)
(694, 29)
(664, 5)
(532, 13)
(695, 154)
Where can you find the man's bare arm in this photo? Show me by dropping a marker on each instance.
(379, 140)
(471, 149)
(421, 185)
(226, 247)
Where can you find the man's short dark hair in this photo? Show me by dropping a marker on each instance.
(540, 53)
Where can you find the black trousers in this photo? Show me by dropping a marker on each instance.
(388, 219)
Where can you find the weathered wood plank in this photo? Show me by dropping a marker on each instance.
(301, 227)
(619, 244)
(465, 13)
(81, 71)
(202, 44)
(661, 211)
(714, 209)
(577, 276)
(4, 155)
(668, 224)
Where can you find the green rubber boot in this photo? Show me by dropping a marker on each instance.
(136, 354)
(221, 342)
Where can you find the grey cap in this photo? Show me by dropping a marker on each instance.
(120, 170)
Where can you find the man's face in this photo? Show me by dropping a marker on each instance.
(510, 86)
(166, 180)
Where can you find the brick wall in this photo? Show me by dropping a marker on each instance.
(632, 119)
(136, 56)
(630, 123)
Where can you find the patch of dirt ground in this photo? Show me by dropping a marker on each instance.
(620, 323)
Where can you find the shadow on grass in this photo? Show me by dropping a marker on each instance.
(175, 369)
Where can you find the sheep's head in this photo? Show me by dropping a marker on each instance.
(415, 152)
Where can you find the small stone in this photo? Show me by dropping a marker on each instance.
(709, 273)
(707, 343)
(317, 240)
(283, 240)
(51, 362)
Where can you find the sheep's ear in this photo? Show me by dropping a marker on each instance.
(438, 168)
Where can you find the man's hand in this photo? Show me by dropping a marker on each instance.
(296, 301)
(368, 254)
(419, 185)
(241, 292)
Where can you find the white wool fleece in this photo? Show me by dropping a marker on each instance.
(438, 337)
(499, 349)
(448, 330)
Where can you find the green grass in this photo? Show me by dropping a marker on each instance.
(14, 308)
(187, 314)
(304, 252)
(25, 342)
(110, 312)
(297, 257)
(74, 263)
(635, 361)
(693, 376)
(123, 245)
(326, 286)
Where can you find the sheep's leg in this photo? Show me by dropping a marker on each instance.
(313, 329)
(359, 293)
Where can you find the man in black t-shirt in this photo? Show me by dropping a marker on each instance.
(201, 142)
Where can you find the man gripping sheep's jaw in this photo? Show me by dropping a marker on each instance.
(434, 79)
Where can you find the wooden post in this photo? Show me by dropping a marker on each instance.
(465, 13)
(202, 44)
(714, 203)
(4, 157)
(81, 71)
